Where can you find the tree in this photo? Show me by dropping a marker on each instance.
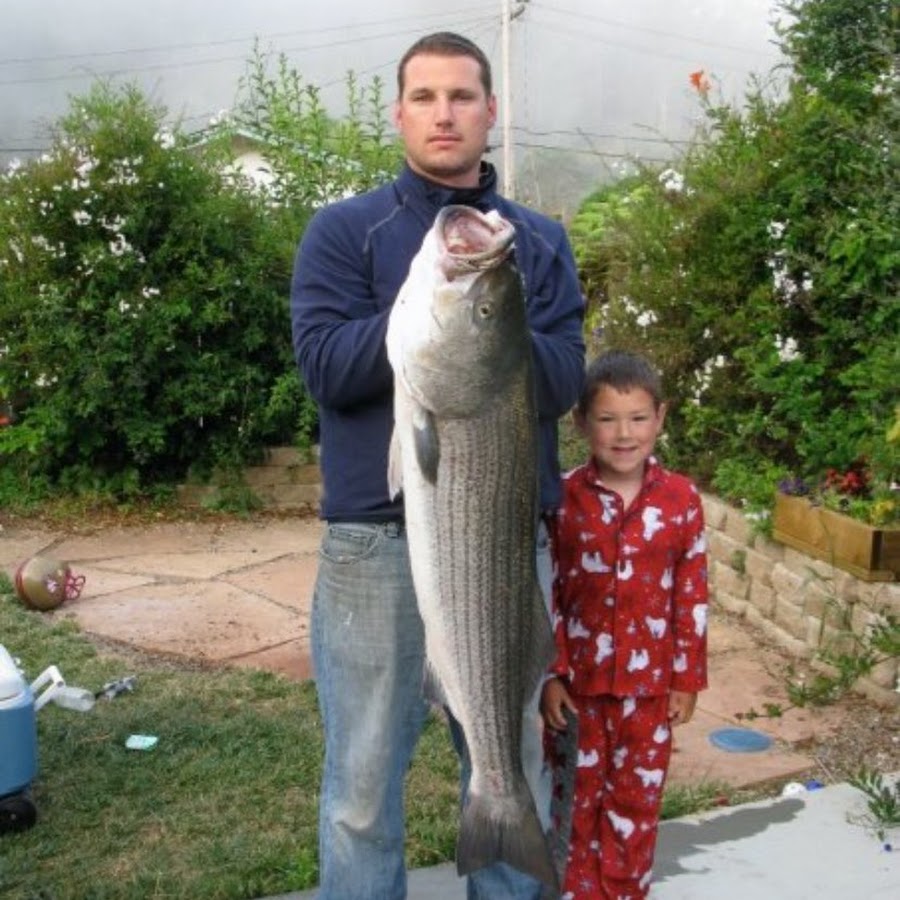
(761, 270)
(143, 306)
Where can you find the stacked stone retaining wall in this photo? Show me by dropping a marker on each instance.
(284, 480)
(803, 604)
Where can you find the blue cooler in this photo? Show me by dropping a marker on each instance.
(18, 747)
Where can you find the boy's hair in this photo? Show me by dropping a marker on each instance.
(445, 43)
(623, 371)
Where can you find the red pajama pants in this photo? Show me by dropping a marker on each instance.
(624, 746)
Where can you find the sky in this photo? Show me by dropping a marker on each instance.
(592, 82)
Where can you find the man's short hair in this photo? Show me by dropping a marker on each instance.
(446, 43)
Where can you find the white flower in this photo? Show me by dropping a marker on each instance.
(787, 348)
(672, 181)
(149, 292)
(115, 224)
(81, 217)
(119, 246)
(776, 230)
(84, 168)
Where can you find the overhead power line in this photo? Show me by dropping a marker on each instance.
(167, 48)
(655, 52)
(193, 63)
(669, 35)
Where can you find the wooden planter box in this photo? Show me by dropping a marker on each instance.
(865, 551)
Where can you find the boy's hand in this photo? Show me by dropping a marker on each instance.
(555, 697)
(681, 707)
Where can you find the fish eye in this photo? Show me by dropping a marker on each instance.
(484, 310)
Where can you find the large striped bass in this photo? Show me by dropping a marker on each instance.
(464, 453)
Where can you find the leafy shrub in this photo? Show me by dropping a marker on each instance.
(143, 305)
(144, 284)
(760, 270)
(315, 158)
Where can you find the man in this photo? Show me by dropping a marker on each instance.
(367, 637)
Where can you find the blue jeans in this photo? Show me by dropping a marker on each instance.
(368, 650)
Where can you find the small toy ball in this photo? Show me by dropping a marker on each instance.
(43, 582)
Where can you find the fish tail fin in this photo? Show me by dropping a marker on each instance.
(514, 837)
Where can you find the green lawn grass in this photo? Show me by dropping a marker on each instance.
(225, 805)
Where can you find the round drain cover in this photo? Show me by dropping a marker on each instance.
(740, 740)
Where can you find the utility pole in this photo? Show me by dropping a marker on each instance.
(505, 101)
(507, 14)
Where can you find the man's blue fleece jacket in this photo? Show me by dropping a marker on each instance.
(352, 260)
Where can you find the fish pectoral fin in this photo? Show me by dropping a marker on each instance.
(514, 837)
(395, 467)
(425, 440)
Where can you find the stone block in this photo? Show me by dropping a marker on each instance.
(790, 644)
(194, 495)
(305, 474)
(885, 674)
(787, 584)
(258, 478)
(728, 581)
(807, 566)
(730, 603)
(758, 565)
(822, 604)
(790, 619)
(762, 598)
(722, 547)
(290, 496)
(715, 512)
(285, 456)
(737, 526)
(884, 596)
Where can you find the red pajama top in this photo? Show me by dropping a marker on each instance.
(630, 588)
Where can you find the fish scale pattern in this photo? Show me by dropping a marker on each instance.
(484, 538)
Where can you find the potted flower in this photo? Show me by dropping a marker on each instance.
(848, 518)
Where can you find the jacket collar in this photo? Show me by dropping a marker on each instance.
(428, 197)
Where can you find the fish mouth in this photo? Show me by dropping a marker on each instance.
(472, 241)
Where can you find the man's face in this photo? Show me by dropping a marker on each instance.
(444, 116)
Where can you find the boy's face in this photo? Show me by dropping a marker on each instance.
(621, 428)
(444, 117)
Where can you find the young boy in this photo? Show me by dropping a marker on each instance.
(630, 600)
